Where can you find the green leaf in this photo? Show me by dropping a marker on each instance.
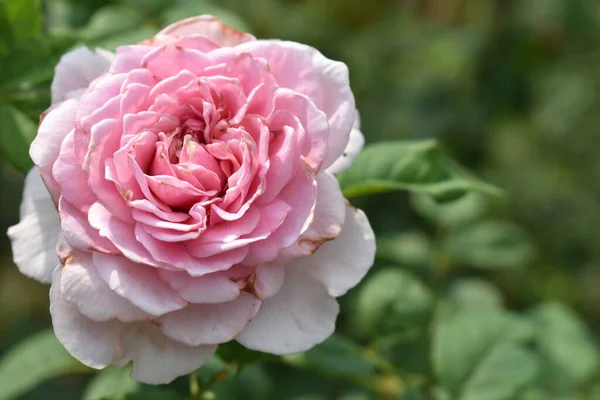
(479, 354)
(114, 26)
(453, 213)
(199, 7)
(475, 293)
(32, 361)
(392, 301)
(491, 245)
(23, 18)
(566, 342)
(416, 166)
(110, 383)
(16, 133)
(410, 248)
(31, 63)
(111, 21)
(337, 357)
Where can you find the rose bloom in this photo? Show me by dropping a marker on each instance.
(193, 175)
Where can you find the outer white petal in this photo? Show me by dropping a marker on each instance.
(156, 359)
(301, 315)
(34, 238)
(341, 263)
(76, 70)
(81, 285)
(95, 344)
(201, 324)
(352, 150)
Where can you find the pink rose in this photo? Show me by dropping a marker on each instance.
(193, 175)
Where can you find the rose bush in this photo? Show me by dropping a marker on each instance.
(193, 175)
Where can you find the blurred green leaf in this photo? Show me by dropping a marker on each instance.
(114, 26)
(337, 357)
(479, 354)
(16, 133)
(31, 62)
(20, 19)
(475, 293)
(147, 392)
(566, 342)
(392, 301)
(111, 21)
(452, 213)
(410, 248)
(32, 361)
(416, 166)
(110, 383)
(491, 245)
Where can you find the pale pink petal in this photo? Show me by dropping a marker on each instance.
(70, 176)
(353, 149)
(81, 285)
(208, 26)
(45, 148)
(34, 238)
(138, 283)
(209, 289)
(76, 69)
(341, 263)
(202, 324)
(79, 233)
(327, 223)
(301, 315)
(268, 280)
(326, 82)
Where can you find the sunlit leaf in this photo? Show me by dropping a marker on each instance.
(415, 166)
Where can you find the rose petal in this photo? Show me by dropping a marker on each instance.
(326, 82)
(352, 150)
(297, 318)
(45, 148)
(156, 359)
(210, 289)
(34, 238)
(95, 344)
(81, 285)
(138, 283)
(202, 324)
(209, 26)
(327, 222)
(341, 263)
(76, 69)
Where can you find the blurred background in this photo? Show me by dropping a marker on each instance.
(509, 87)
